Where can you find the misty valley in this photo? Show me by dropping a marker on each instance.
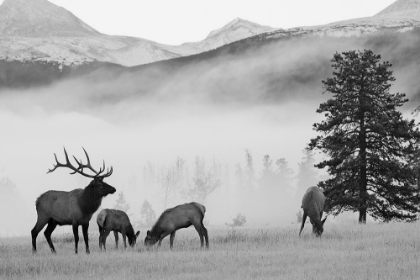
(232, 142)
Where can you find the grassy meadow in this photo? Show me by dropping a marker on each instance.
(345, 251)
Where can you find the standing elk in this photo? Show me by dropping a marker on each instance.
(115, 220)
(71, 208)
(313, 205)
(181, 216)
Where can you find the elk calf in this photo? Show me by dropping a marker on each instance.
(181, 216)
(115, 220)
(71, 208)
(313, 205)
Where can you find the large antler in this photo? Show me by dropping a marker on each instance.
(81, 166)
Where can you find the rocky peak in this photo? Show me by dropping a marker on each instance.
(401, 6)
(240, 27)
(40, 18)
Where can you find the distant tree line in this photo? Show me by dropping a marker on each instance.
(370, 152)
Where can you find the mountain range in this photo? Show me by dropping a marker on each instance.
(41, 31)
(37, 30)
(41, 42)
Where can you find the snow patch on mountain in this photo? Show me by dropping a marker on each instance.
(141, 52)
(233, 31)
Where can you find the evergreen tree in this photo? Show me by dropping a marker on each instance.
(148, 215)
(284, 174)
(121, 203)
(268, 177)
(249, 170)
(369, 145)
(307, 174)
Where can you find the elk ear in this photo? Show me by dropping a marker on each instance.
(148, 233)
(137, 234)
(323, 221)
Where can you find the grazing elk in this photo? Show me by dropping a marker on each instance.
(71, 208)
(313, 205)
(181, 216)
(115, 220)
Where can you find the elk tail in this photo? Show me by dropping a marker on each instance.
(101, 219)
(201, 207)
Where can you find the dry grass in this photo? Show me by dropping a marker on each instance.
(374, 251)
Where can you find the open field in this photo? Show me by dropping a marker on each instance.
(351, 251)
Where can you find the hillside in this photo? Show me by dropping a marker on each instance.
(39, 31)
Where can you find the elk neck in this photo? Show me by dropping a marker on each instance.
(156, 230)
(90, 200)
(130, 231)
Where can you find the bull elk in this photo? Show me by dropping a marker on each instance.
(71, 208)
(313, 206)
(117, 221)
(181, 216)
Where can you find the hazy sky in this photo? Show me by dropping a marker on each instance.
(177, 22)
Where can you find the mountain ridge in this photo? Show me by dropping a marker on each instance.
(40, 18)
(401, 6)
(84, 44)
(37, 30)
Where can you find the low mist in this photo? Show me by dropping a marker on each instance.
(215, 109)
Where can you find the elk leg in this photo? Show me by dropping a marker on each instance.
(100, 237)
(50, 228)
(200, 233)
(85, 228)
(206, 236)
(116, 238)
(163, 235)
(124, 239)
(303, 221)
(105, 233)
(40, 223)
(76, 236)
(171, 239)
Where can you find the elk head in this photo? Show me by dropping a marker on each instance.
(150, 240)
(318, 227)
(97, 184)
(133, 239)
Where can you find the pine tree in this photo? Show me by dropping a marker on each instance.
(370, 146)
(284, 175)
(249, 170)
(148, 215)
(307, 174)
(268, 177)
(121, 203)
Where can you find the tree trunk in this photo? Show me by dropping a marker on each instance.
(362, 216)
(363, 161)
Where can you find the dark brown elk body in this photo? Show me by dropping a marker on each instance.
(73, 208)
(117, 221)
(181, 216)
(313, 206)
